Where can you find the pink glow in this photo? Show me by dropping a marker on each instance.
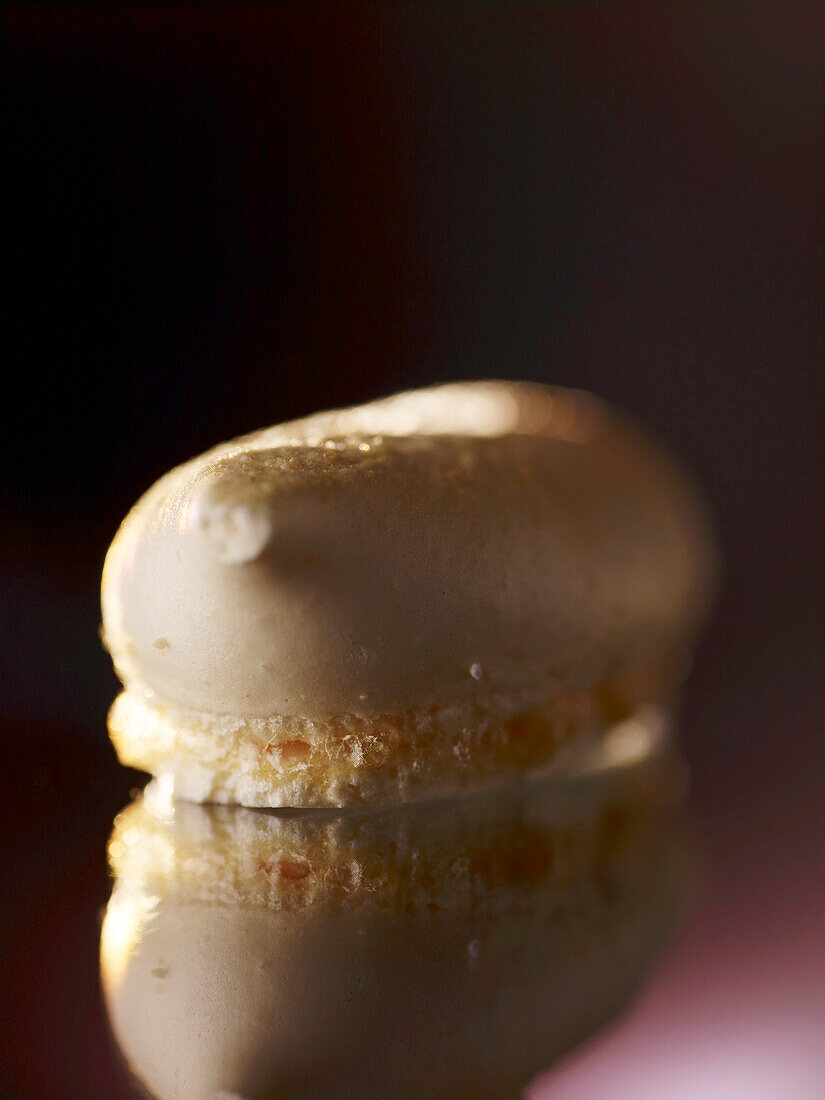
(737, 1011)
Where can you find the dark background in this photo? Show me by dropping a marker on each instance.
(222, 216)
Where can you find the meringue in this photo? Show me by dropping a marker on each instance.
(402, 599)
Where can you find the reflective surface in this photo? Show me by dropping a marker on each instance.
(520, 201)
(440, 950)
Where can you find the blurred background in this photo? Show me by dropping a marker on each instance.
(226, 215)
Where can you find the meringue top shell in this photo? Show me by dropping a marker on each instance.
(470, 542)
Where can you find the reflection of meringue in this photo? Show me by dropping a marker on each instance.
(439, 950)
(401, 599)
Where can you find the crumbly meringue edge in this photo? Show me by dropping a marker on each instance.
(291, 761)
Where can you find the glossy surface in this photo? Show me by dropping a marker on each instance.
(446, 949)
(624, 198)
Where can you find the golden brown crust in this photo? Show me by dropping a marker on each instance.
(419, 754)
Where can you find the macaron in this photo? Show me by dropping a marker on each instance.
(408, 599)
